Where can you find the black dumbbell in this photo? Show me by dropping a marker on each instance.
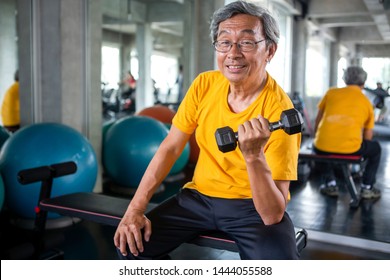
(290, 121)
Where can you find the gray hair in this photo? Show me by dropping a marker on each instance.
(270, 26)
(355, 75)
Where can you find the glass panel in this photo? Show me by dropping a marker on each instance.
(110, 66)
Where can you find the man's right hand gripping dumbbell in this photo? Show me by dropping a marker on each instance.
(290, 121)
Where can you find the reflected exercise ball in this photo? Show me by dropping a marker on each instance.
(129, 145)
(42, 145)
(158, 112)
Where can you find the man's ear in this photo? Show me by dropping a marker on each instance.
(271, 51)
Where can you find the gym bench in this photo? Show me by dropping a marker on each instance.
(108, 210)
(307, 154)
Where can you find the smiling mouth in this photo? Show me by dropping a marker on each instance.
(235, 67)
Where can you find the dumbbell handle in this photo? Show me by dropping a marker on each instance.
(290, 121)
(275, 125)
(272, 126)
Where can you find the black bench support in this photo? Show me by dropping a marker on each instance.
(343, 161)
(45, 175)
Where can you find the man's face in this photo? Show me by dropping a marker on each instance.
(238, 66)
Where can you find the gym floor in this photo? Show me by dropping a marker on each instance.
(336, 231)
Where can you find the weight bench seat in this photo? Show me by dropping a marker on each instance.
(109, 210)
(343, 161)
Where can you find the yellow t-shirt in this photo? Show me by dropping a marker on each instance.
(205, 109)
(10, 109)
(346, 112)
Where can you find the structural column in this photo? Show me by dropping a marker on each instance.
(333, 65)
(60, 65)
(144, 43)
(299, 45)
(8, 45)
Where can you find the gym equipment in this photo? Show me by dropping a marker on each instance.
(109, 210)
(158, 112)
(290, 121)
(299, 104)
(45, 175)
(41, 245)
(129, 145)
(307, 154)
(45, 144)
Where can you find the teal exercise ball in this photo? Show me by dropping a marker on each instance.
(1, 193)
(42, 145)
(4, 135)
(183, 160)
(129, 145)
(106, 126)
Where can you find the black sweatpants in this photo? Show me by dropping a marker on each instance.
(189, 213)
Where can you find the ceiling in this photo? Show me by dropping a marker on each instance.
(364, 23)
(352, 21)
(165, 16)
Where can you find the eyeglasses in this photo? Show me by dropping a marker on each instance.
(244, 45)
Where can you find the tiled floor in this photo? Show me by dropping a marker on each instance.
(335, 230)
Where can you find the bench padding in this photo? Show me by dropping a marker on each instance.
(308, 153)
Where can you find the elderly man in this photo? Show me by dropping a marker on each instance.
(243, 193)
(344, 125)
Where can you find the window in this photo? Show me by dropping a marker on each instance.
(315, 68)
(280, 66)
(164, 71)
(110, 66)
(378, 70)
(341, 66)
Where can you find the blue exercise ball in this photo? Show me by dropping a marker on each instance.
(129, 145)
(42, 145)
